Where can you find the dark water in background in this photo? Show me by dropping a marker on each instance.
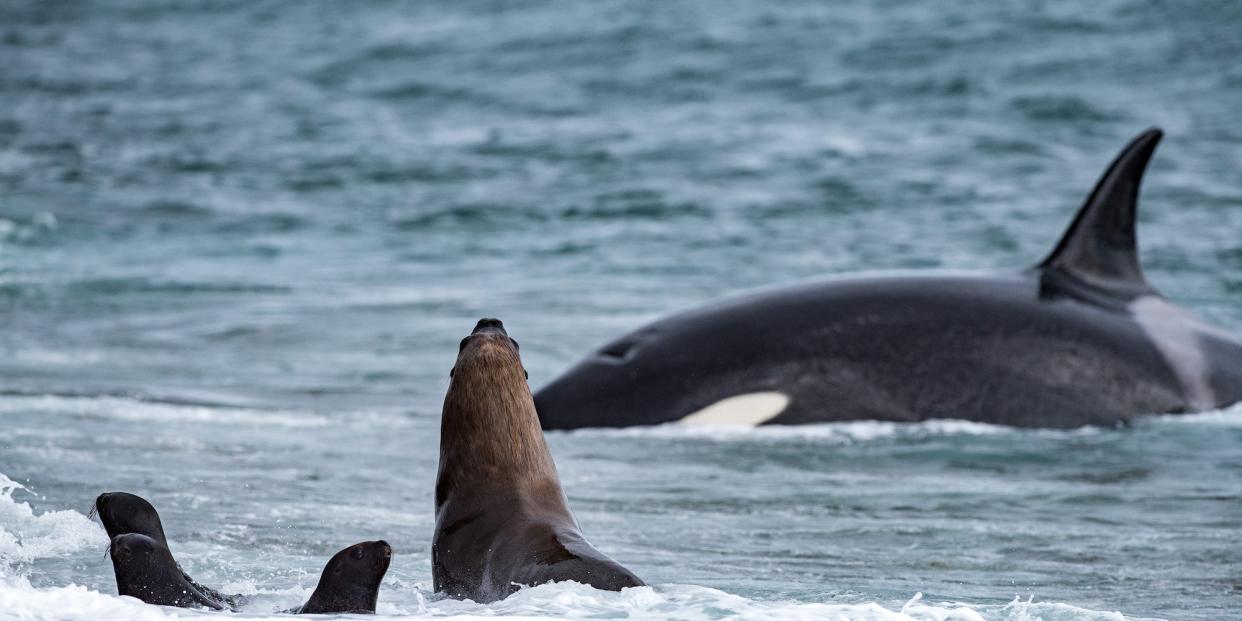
(239, 242)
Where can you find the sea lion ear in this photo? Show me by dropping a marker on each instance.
(526, 373)
(451, 371)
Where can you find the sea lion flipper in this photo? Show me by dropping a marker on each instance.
(204, 600)
(233, 602)
(600, 570)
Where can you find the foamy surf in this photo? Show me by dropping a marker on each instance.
(140, 410)
(842, 432)
(26, 537)
(1225, 417)
(20, 600)
(847, 432)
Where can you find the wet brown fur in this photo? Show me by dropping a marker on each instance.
(502, 519)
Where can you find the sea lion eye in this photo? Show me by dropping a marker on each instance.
(358, 553)
(463, 344)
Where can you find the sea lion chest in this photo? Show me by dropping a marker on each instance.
(489, 542)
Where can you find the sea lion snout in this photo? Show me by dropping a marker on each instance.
(97, 507)
(102, 502)
(384, 548)
(488, 341)
(489, 324)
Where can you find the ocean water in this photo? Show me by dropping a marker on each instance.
(239, 242)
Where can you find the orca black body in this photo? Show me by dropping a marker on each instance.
(1080, 339)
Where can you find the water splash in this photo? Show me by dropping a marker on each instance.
(26, 537)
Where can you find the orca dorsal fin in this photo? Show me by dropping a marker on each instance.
(1099, 247)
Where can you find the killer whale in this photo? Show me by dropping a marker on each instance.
(1079, 339)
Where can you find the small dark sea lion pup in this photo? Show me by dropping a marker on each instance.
(123, 513)
(502, 520)
(145, 569)
(350, 581)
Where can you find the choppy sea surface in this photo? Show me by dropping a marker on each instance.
(239, 242)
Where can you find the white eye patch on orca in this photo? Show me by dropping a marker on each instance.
(750, 409)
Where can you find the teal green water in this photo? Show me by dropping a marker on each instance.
(240, 241)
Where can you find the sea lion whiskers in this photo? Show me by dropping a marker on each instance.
(93, 515)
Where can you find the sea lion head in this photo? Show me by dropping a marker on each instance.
(350, 581)
(489, 349)
(123, 513)
(145, 569)
(138, 553)
(489, 430)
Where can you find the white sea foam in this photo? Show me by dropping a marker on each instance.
(842, 432)
(848, 432)
(123, 408)
(577, 601)
(26, 537)
(18, 599)
(1028, 610)
(1227, 417)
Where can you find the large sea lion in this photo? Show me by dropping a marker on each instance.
(350, 581)
(502, 521)
(145, 569)
(122, 512)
